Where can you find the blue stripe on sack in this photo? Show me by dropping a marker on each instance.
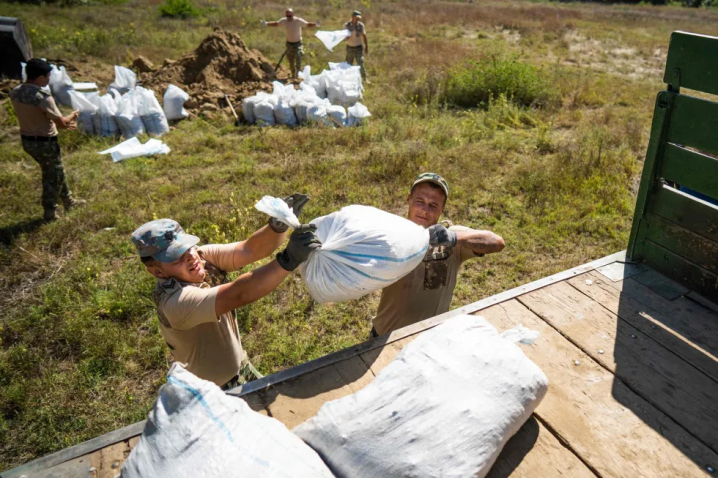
(378, 278)
(381, 258)
(204, 403)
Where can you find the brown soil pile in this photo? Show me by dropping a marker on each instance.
(221, 64)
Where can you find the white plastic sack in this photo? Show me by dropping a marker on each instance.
(151, 113)
(264, 112)
(79, 102)
(195, 430)
(338, 115)
(24, 75)
(174, 103)
(316, 82)
(445, 407)
(284, 114)
(318, 114)
(125, 79)
(132, 148)
(357, 114)
(105, 121)
(363, 250)
(60, 85)
(332, 39)
(128, 116)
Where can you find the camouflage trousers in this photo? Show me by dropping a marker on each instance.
(54, 186)
(246, 374)
(295, 54)
(356, 53)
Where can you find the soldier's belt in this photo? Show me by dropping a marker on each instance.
(39, 139)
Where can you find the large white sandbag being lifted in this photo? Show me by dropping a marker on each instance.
(195, 430)
(363, 250)
(444, 408)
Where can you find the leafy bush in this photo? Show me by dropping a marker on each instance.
(476, 82)
(178, 9)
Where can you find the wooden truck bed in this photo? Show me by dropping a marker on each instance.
(630, 356)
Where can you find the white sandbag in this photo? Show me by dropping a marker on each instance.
(332, 39)
(338, 115)
(363, 250)
(132, 148)
(125, 79)
(151, 113)
(128, 115)
(316, 82)
(284, 114)
(60, 85)
(105, 122)
(444, 408)
(173, 100)
(79, 102)
(24, 75)
(264, 112)
(317, 113)
(357, 114)
(195, 430)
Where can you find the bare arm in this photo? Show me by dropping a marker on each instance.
(311, 24)
(480, 242)
(272, 24)
(66, 122)
(366, 42)
(259, 245)
(249, 287)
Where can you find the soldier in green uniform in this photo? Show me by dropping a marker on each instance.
(293, 27)
(357, 35)
(39, 120)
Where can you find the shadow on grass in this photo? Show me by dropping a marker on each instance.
(10, 233)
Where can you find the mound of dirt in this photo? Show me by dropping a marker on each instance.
(221, 64)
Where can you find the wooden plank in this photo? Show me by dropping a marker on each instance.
(683, 242)
(619, 271)
(78, 467)
(665, 380)
(680, 269)
(696, 58)
(355, 373)
(692, 336)
(693, 123)
(661, 285)
(535, 452)
(612, 429)
(691, 169)
(687, 211)
(111, 460)
(379, 358)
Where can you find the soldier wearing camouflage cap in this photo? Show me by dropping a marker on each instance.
(357, 35)
(427, 290)
(196, 303)
(39, 120)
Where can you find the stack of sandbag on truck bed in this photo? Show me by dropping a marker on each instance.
(445, 407)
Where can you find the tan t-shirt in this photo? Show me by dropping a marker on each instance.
(35, 109)
(423, 293)
(209, 345)
(293, 28)
(355, 33)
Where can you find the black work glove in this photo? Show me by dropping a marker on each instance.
(441, 236)
(296, 201)
(301, 243)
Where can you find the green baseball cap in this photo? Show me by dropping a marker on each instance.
(356, 13)
(432, 178)
(162, 239)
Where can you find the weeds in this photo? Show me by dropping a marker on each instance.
(178, 9)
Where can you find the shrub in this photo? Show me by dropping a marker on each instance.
(476, 82)
(178, 9)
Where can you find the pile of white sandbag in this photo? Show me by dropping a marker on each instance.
(330, 98)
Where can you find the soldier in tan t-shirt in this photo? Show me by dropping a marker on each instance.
(39, 119)
(195, 302)
(293, 28)
(427, 290)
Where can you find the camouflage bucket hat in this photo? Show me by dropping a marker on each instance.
(162, 239)
(356, 13)
(432, 178)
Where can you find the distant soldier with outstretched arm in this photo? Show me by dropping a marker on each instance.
(293, 27)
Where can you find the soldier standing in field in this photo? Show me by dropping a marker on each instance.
(39, 120)
(294, 48)
(357, 43)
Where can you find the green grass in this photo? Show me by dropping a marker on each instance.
(80, 351)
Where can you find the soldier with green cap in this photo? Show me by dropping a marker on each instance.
(294, 48)
(196, 303)
(39, 120)
(427, 290)
(355, 40)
